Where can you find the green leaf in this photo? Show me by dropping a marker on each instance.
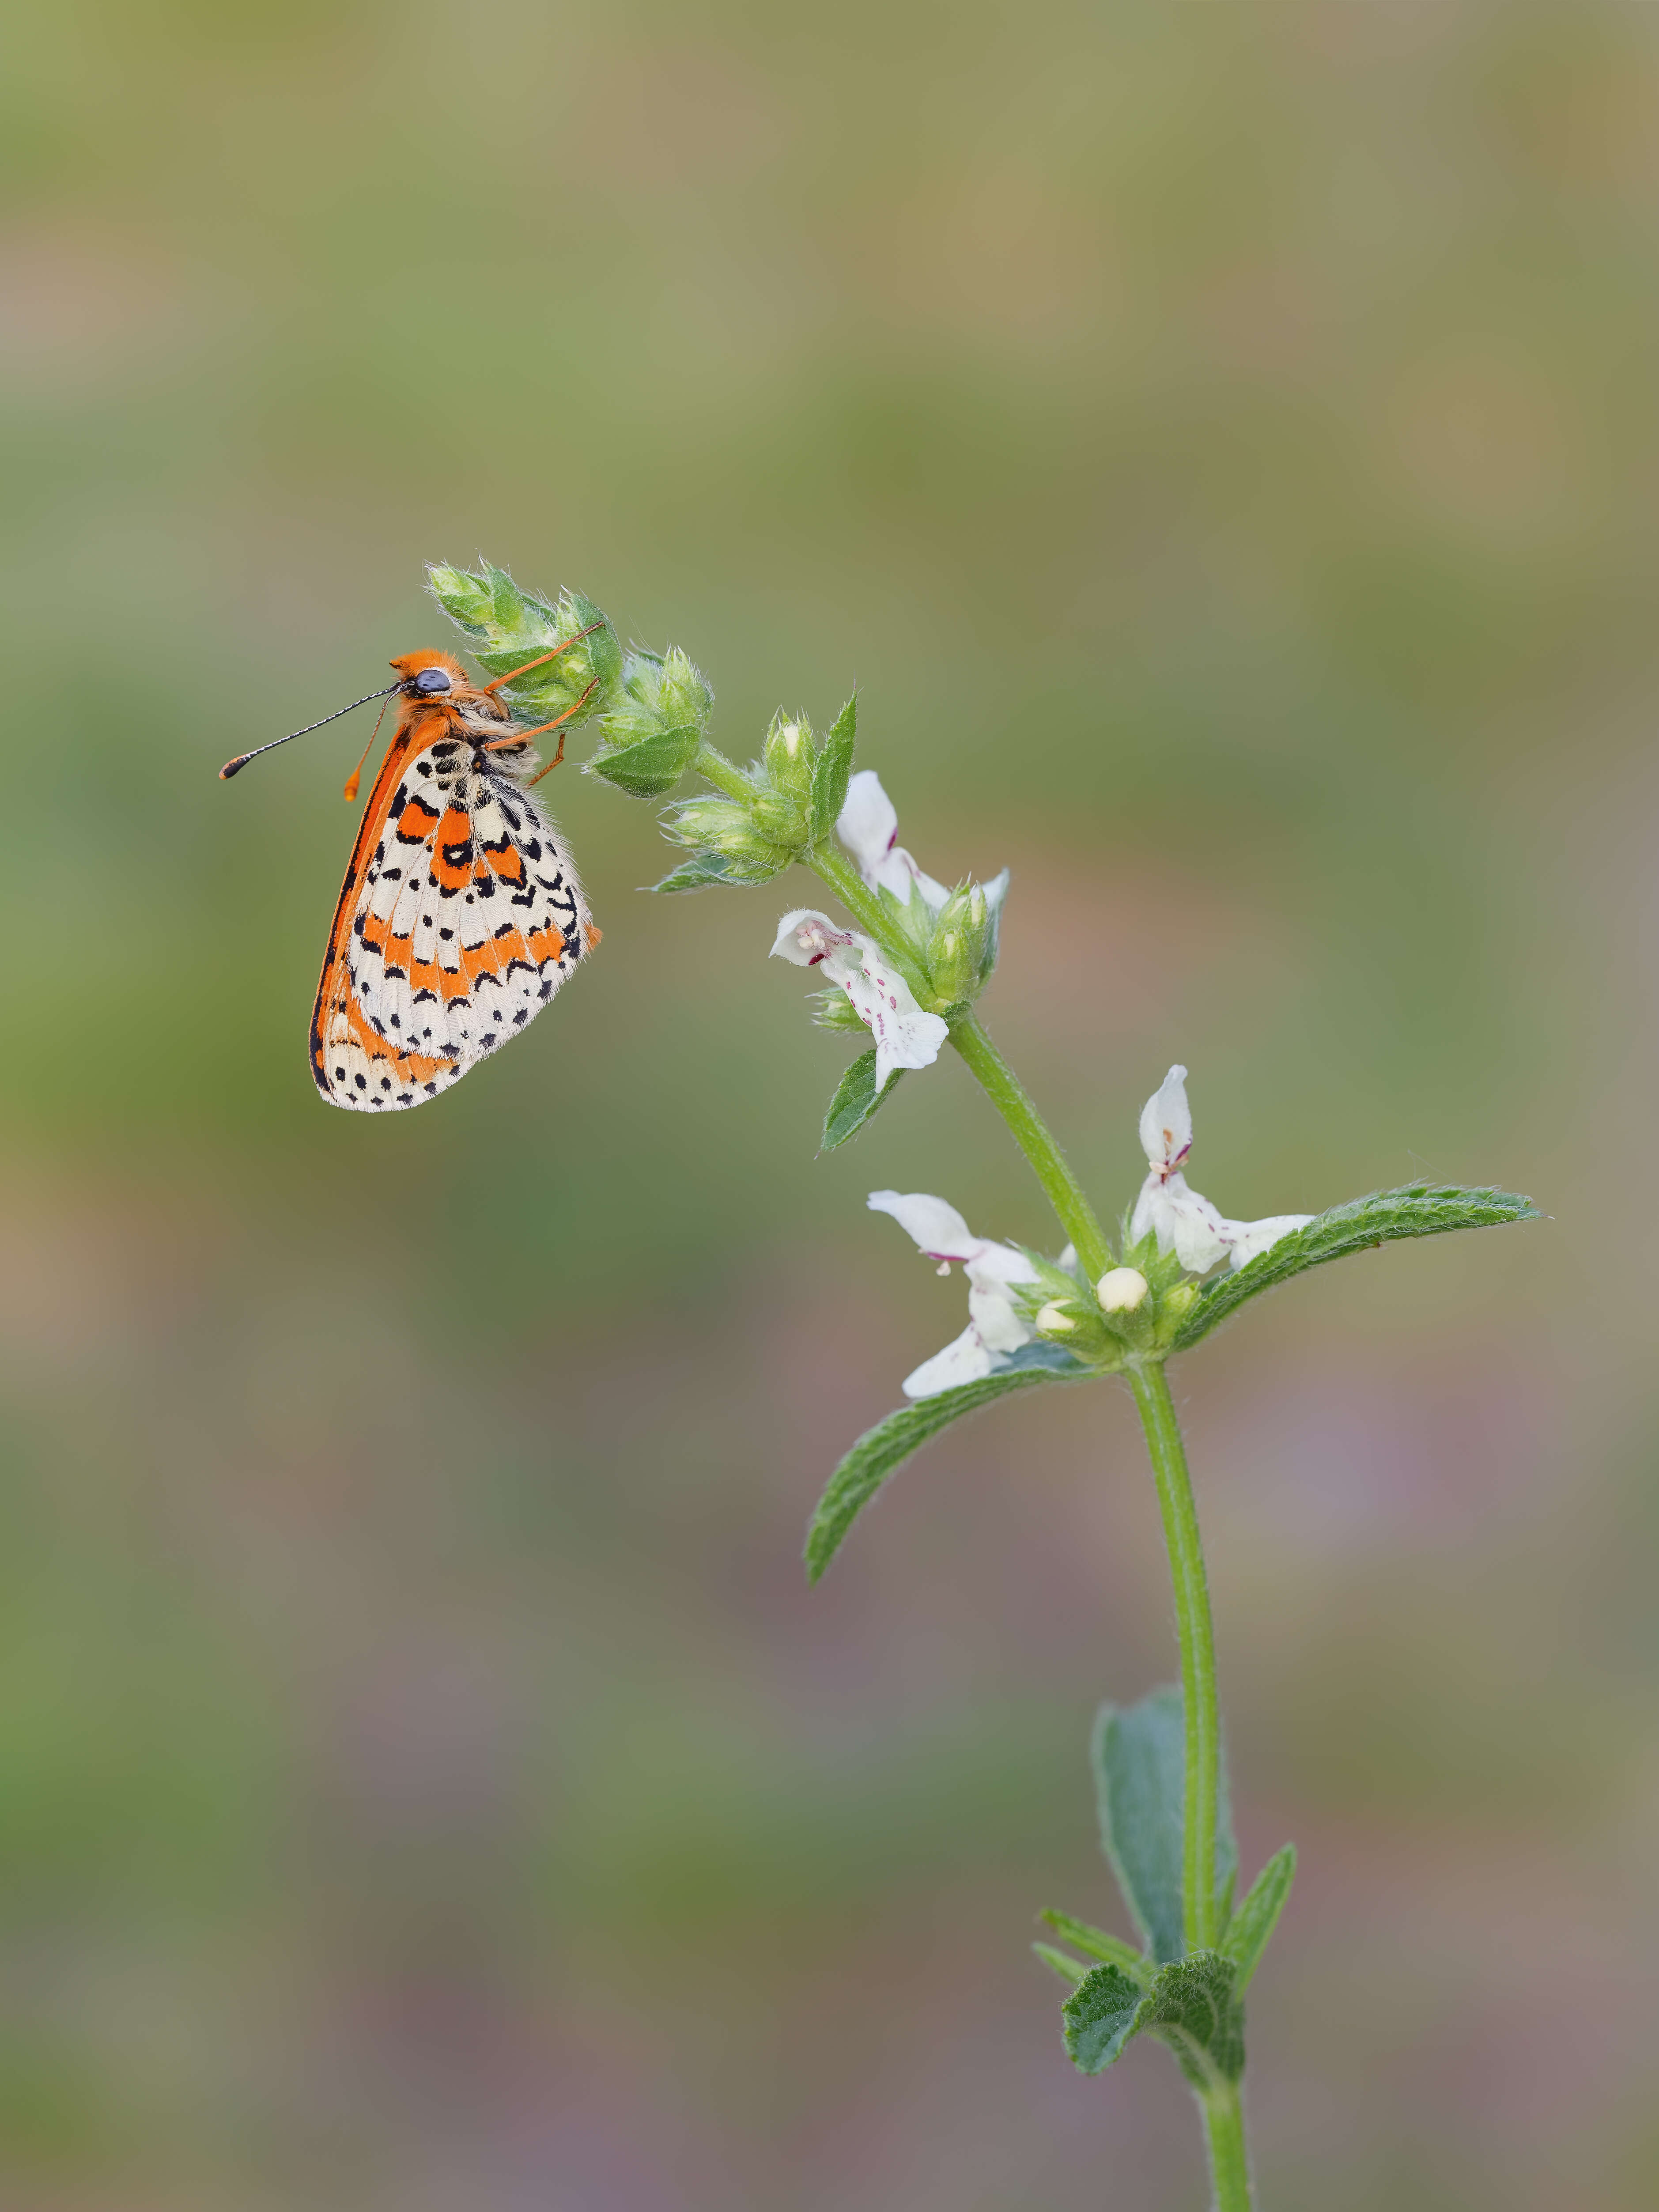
(651, 766)
(1193, 2007)
(1070, 1970)
(1139, 1760)
(1248, 1932)
(1112, 1949)
(856, 1099)
(830, 772)
(703, 871)
(1100, 2016)
(1420, 1209)
(881, 1451)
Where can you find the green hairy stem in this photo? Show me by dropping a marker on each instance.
(1031, 1134)
(1224, 2134)
(1196, 1637)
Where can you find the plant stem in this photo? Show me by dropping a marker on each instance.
(1223, 2111)
(1224, 2132)
(725, 775)
(1032, 1134)
(1199, 1708)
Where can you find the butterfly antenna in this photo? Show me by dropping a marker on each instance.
(356, 775)
(234, 767)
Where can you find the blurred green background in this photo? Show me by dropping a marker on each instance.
(1221, 443)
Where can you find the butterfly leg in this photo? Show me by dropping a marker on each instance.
(519, 736)
(491, 688)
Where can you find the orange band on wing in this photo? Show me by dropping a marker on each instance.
(451, 849)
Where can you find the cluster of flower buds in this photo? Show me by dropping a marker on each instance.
(751, 839)
(507, 626)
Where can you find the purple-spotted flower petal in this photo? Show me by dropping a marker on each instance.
(1185, 1222)
(905, 1036)
(995, 1327)
(868, 827)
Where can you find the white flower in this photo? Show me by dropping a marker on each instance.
(1185, 1222)
(904, 1036)
(868, 827)
(995, 1327)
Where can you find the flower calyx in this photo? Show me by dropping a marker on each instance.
(658, 722)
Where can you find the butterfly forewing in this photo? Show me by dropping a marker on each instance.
(460, 916)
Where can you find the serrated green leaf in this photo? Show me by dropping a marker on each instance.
(703, 872)
(856, 1099)
(831, 773)
(1070, 1970)
(1100, 2016)
(881, 1451)
(1415, 1210)
(1139, 1760)
(1257, 1916)
(1111, 1949)
(1192, 2006)
(651, 766)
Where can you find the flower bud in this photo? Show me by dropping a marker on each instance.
(1121, 1290)
(719, 824)
(788, 756)
(779, 818)
(1053, 1320)
(652, 730)
(957, 945)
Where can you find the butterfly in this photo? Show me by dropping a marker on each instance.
(461, 912)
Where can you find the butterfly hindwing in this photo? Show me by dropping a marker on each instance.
(464, 917)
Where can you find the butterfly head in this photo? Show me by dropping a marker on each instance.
(432, 676)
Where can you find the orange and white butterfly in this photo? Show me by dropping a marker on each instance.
(461, 912)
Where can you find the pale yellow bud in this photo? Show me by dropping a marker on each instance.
(1121, 1290)
(1053, 1320)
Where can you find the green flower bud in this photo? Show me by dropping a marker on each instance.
(779, 818)
(955, 947)
(575, 663)
(659, 718)
(722, 826)
(789, 755)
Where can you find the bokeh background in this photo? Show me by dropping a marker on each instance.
(1221, 443)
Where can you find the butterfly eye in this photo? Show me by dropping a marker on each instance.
(432, 679)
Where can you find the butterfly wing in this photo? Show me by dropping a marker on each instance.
(460, 916)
